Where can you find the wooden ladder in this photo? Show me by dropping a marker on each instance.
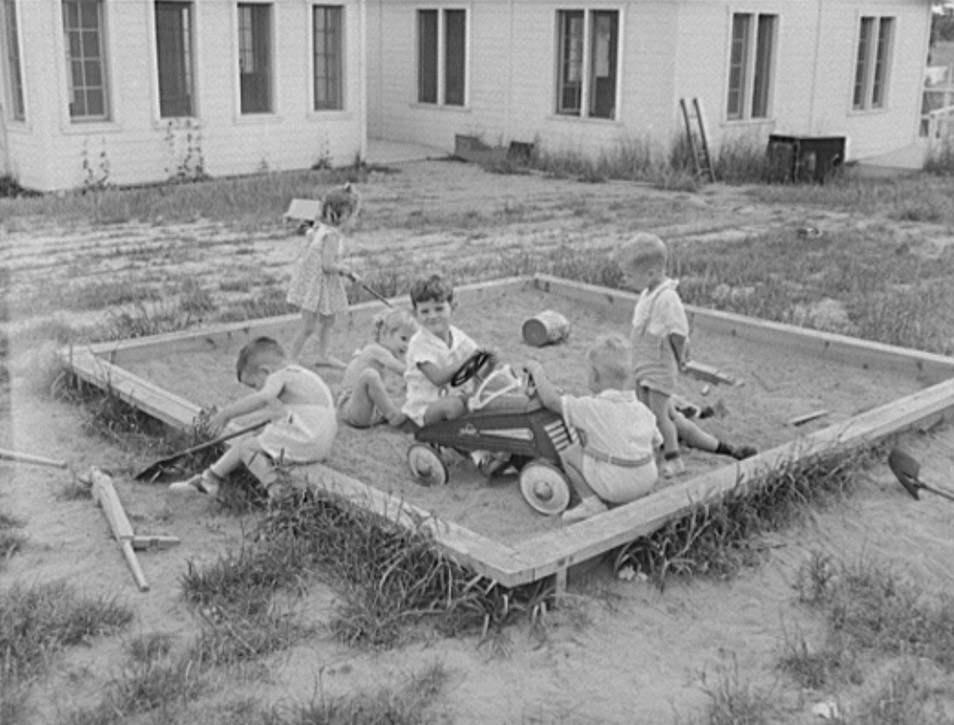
(696, 134)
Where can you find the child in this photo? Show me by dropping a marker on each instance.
(659, 336)
(614, 462)
(317, 287)
(302, 432)
(363, 400)
(434, 354)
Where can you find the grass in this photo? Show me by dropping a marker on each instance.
(720, 537)
(11, 540)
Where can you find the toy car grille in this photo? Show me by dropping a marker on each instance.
(559, 434)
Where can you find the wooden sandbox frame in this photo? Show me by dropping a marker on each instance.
(552, 553)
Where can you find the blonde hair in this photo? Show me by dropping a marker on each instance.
(256, 353)
(389, 321)
(644, 250)
(339, 203)
(612, 357)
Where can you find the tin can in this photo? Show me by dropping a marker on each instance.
(546, 328)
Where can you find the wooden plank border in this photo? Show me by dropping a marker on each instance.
(553, 553)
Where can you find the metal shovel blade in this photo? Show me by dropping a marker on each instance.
(906, 469)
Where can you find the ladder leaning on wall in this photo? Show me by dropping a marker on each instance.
(696, 135)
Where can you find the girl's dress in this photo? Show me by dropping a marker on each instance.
(658, 314)
(312, 288)
(302, 433)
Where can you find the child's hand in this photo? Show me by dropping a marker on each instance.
(216, 423)
(534, 369)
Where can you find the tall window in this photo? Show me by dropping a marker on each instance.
(174, 56)
(84, 30)
(329, 74)
(11, 43)
(750, 65)
(587, 63)
(442, 57)
(255, 57)
(875, 38)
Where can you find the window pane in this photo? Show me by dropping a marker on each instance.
(83, 28)
(738, 54)
(570, 83)
(761, 80)
(881, 63)
(859, 99)
(255, 58)
(174, 58)
(427, 56)
(13, 59)
(328, 81)
(455, 39)
(603, 64)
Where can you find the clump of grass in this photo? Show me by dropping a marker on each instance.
(735, 702)
(911, 693)
(228, 639)
(40, 620)
(718, 538)
(11, 541)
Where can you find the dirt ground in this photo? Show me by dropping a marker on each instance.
(615, 651)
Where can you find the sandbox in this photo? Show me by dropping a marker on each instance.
(845, 390)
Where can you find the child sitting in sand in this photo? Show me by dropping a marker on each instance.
(302, 431)
(614, 461)
(364, 400)
(659, 336)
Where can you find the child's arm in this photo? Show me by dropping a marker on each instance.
(329, 258)
(249, 404)
(440, 375)
(546, 390)
(680, 348)
(383, 356)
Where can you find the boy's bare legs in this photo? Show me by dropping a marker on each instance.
(325, 323)
(590, 503)
(696, 437)
(368, 393)
(448, 408)
(661, 406)
(211, 479)
(309, 321)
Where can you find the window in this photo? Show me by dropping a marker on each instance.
(329, 76)
(871, 68)
(11, 42)
(255, 58)
(442, 57)
(750, 65)
(86, 59)
(174, 58)
(587, 63)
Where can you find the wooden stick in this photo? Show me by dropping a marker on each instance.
(153, 541)
(27, 458)
(808, 417)
(710, 374)
(105, 496)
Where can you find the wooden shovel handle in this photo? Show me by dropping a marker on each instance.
(27, 458)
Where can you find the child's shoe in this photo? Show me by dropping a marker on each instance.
(740, 453)
(589, 506)
(205, 482)
(672, 467)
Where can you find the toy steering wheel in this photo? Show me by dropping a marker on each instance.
(470, 368)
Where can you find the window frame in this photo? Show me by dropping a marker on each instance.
(249, 96)
(577, 76)
(320, 102)
(750, 68)
(443, 72)
(873, 59)
(12, 61)
(186, 61)
(84, 60)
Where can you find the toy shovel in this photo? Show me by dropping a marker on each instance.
(151, 472)
(906, 470)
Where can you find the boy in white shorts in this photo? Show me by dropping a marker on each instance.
(614, 462)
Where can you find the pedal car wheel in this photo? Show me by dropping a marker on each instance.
(545, 487)
(469, 368)
(426, 465)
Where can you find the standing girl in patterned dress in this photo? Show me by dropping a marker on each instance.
(317, 284)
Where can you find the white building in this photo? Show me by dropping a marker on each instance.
(133, 91)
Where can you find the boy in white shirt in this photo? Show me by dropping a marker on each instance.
(614, 462)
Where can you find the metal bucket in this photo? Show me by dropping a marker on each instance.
(546, 328)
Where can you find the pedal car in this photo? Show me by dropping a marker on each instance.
(503, 417)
